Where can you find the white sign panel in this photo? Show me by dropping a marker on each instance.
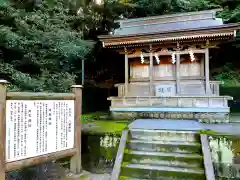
(165, 90)
(38, 127)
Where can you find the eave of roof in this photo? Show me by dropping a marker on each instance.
(219, 36)
(222, 27)
(224, 31)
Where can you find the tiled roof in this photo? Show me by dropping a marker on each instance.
(159, 24)
(194, 26)
(154, 28)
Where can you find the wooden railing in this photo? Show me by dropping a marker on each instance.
(214, 86)
(119, 158)
(121, 89)
(208, 164)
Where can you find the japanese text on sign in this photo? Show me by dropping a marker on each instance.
(38, 127)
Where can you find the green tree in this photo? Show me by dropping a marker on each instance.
(39, 48)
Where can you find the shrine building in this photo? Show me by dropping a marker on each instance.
(167, 66)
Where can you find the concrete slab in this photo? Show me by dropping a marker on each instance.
(184, 125)
(165, 124)
(164, 109)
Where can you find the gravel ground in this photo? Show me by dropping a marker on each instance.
(100, 176)
(85, 175)
(52, 171)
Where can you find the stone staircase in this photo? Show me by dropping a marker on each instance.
(161, 155)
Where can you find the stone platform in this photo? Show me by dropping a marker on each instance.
(205, 117)
(208, 109)
(184, 125)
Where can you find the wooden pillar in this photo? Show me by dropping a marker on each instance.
(151, 73)
(126, 72)
(207, 84)
(76, 164)
(178, 73)
(202, 66)
(3, 95)
(82, 72)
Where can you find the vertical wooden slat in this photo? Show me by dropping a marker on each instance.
(151, 73)
(3, 95)
(126, 72)
(75, 164)
(217, 89)
(202, 66)
(207, 71)
(178, 72)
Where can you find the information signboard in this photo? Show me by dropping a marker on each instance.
(38, 127)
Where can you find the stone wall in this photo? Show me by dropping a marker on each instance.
(172, 102)
(202, 117)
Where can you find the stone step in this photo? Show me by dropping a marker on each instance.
(164, 159)
(154, 172)
(164, 146)
(158, 178)
(167, 135)
(130, 178)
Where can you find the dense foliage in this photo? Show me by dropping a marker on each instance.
(39, 49)
(42, 42)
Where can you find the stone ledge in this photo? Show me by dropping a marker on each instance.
(202, 117)
(169, 109)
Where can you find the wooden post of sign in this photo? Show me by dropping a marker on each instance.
(75, 164)
(3, 95)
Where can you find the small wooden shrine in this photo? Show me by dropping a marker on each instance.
(167, 66)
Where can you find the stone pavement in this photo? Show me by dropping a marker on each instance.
(187, 125)
(85, 175)
(100, 176)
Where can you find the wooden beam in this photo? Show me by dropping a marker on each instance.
(39, 96)
(76, 163)
(195, 51)
(156, 79)
(126, 72)
(10, 166)
(3, 92)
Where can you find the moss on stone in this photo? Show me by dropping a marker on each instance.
(104, 127)
(124, 164)
(123, 178)
(127, 151)
(211, 132)
(83, 176)
(99, 123)
(94, 116)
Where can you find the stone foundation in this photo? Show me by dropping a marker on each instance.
(202, 117)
